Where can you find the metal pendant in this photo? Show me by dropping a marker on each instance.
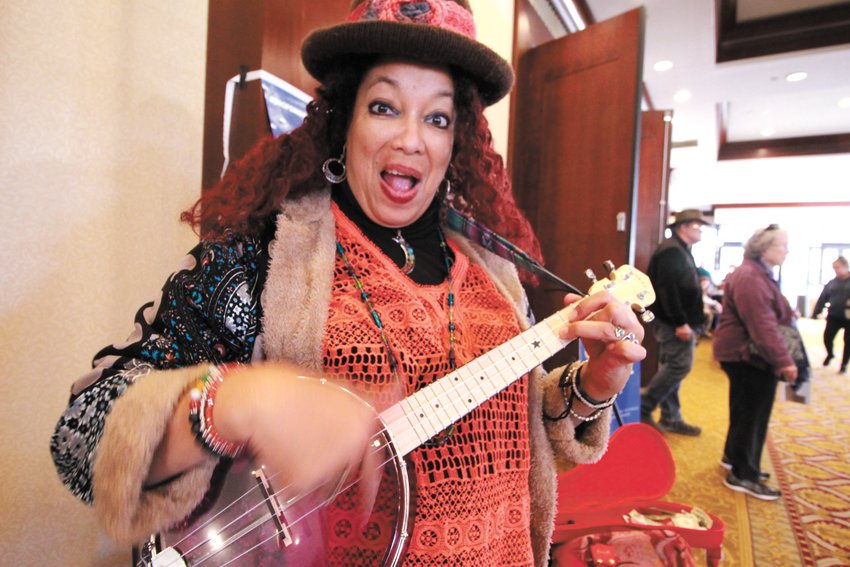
(409, 256)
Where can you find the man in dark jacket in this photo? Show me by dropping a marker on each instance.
(678, 310)
(836, 293)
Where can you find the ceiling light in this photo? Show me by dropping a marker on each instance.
(683, 95)
(844, 102)
(767, 132)
(796, 77)
(663, 65)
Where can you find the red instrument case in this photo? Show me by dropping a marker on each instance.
(635, 473)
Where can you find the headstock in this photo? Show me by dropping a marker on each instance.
(629, 285)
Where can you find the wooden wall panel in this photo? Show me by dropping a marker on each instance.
(652, 207)
(256, 34)
(529, 29)
(653, 174)
(529, 32)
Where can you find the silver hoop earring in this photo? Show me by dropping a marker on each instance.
(334, 168)
(448, 196)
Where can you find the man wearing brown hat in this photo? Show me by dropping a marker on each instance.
(678, 313)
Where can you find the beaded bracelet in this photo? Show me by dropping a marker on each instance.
(583, 397)
(566, 383)
(570, 386)
(595, 415)
(201, 408)
(568, 399)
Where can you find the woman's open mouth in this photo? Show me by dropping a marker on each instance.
(399, 184)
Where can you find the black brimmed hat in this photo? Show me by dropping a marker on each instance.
(440, 32)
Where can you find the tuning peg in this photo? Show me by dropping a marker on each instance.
(645, 315)
(590, 275)
(610, 268)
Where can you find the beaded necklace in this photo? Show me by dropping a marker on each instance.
(450, 302)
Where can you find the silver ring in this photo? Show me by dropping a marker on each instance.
(621, 335)
(631, 338)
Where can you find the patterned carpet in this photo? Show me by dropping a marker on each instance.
(809, 448)
(807, 456)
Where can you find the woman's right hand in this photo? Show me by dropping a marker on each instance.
(304, 429)
(789, 373)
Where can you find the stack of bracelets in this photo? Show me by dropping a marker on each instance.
(201, 408)
(570, 385)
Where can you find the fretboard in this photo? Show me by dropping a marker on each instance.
(417, 418)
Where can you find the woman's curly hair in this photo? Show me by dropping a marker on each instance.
(250, 194)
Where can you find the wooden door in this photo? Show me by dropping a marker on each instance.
(575, 138)
(652, 206)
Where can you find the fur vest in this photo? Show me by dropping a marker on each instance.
(294, 300)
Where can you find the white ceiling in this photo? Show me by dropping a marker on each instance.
(753, 92)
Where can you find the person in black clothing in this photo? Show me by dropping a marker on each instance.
(836, 293)
(679, 316)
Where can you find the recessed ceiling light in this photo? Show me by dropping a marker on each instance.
(683, 95)
(767, 132)
(795, 77)
(844, 102)
(663, 65)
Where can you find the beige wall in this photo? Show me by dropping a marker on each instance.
(101, 117)
(101, 120)
(494, 23)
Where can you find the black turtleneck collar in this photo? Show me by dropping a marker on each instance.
(422, 235)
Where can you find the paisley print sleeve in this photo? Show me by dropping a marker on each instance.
(208, 311)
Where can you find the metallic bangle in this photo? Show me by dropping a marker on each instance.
(575, 379)
(564, 386)
(595, 415)
(201, 414)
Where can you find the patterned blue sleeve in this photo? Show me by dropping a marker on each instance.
(208, 311)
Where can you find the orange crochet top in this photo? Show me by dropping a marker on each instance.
(472, 495)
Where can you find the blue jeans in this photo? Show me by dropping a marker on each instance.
(675, 360)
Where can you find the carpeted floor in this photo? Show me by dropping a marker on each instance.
(807, 456)
(808, 446)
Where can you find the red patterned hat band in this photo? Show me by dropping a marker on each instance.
(442, 14)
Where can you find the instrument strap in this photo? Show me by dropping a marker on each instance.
(502, 247)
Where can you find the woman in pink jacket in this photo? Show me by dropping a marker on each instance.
(753, 309)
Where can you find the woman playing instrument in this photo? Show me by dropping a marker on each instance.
(325, 261)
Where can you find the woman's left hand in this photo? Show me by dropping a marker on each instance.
(611, 334)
